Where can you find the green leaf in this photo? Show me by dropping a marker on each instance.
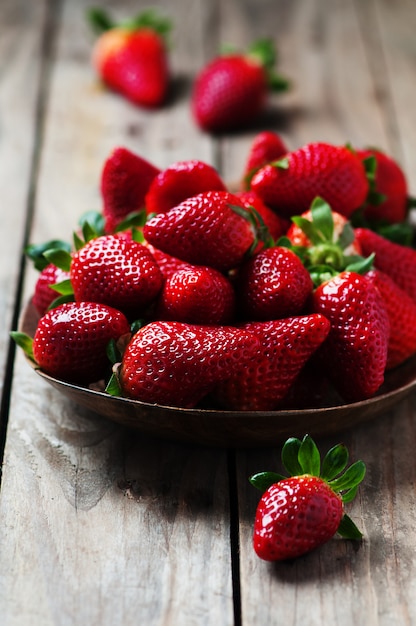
(60, 258)
(134, 219)
(309, 457)
(282, 164)
(137, 325)
(362, 266)
(334, 462)
(113, 353)
(349, 495)
(351, 477)
(346, 237)
(78, 242)
(137, 235)
(322, 218)
(370, 166)
(64, 287)
(95, 221)
(348, 529)
(308, 228)
(61, 300)
(290, 459)
(264, 480)
(24, 342)
(88, 232)
(35, 252)
(113, 386)
(149, 19)
(99, 20)
(402, 233)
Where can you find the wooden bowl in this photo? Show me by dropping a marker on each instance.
(232, 428)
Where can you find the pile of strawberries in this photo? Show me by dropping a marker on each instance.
(183, 293)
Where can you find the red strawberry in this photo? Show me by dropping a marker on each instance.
(395, 260)
(276, 225)
(401, 310)
(300, 513)
(285, 347)
(168, 264)
(116, 271)
(266, 147)
(70, 340)
(125, 180)
(44, 295)
(197, 295)
(355, 352)
(273, 284)
(180, 181)
(390, 189)
(231, 90)
(131, 57)
(177, 364)
(207, 229)
(318, 169)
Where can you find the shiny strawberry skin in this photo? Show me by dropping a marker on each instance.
(177, 364)
(401, 310)
(203, 230)
(285, 347)
(167, 264)
(228, 93)
(355, 351)
(390, 181)
(197, 295)
(295, 516)
(116, 271)
(267, 146)
(43, 295)
(318, 169)
(70, 340)
(133, 63)
(180, 181)
(273, 284)
(125, 180)
(395, 260)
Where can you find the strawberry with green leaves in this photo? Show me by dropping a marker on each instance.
(266, 147)
(212, 228)
(70, 342)
(125, 180)
(44, 294)
(285, 347)
(276, 225)
(290, 184)
(197, 295)
(131, 57)
(231, 90)
(179, 181)
(178, 364)
(299, 513)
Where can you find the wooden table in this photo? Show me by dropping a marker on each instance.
(102, 526)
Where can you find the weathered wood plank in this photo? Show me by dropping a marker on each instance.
(101, 526)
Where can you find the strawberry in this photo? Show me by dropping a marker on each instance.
(180, 181)
(299, 513)
(116, 271)
(131, 57)
(401, 310)
(168, 264)
(285, 347)
(70, 340)
(394, 259)
(276, 225)
(44, 295)
(177, 364)
(355, 351)
(267, 146)
(389, 199)
(125, 180)
(289, 185)
(231, 90)
(197, 295)
(273, 284)
(212, 228)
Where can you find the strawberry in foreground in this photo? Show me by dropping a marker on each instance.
(125, 180)
(290, 184)
(71, 340)
(231, 90)
(266, 147)
(299, 513)
(181, 180)
(131, 57)
(177, 364)
(44, 294)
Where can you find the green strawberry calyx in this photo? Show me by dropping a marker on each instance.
(302, 457)
(263, 52)
(100, 22)
(259, 227)
(328, 254)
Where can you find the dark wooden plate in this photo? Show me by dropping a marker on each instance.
(232, 428)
